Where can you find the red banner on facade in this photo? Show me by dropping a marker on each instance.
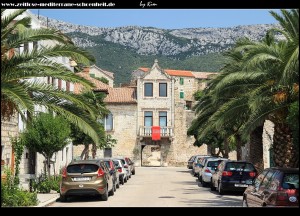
(155, 132)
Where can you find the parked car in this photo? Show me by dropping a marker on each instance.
(201, 165)
(274, 187)
(233, 176)
(190, 162)
(209, 167)
(131, 165)
(113, 172)
(86, 177)
(197, 162)
(119, 164)
(126, 167)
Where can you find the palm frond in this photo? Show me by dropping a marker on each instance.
(17, 94)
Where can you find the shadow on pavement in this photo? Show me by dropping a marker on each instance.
(185, 171)
(81, 199)
(222, 201)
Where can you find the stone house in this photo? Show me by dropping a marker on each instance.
(120, 122)
(156, 97)
(99, 73)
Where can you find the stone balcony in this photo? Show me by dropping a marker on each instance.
(146, 132)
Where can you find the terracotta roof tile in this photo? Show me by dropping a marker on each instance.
(182, 73)
(99, 86)
(120, 95)
(115, 95)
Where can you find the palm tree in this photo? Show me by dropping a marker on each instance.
(80, 138)
(273, 87)
(281, 62)
(21, 88)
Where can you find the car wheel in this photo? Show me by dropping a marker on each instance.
(212, 187)
(133, 172)
(220, 189)
(245, 204)
(203, 183)
(118, 185)
(114, 187)
(125, 179)
(200, 179)
(122, 181)
(112, 191)
(62, 198)
(104, 196)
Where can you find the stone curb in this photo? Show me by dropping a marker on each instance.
(43, 204)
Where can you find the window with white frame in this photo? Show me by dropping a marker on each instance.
(148, 89)
(163, 90)
(108, 122)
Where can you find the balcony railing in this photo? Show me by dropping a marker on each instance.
(164, 131)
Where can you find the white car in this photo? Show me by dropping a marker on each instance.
(197, 160)
(123, 172)
(126, 166)
(208, 169)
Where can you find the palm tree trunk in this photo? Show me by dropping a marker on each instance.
(225, 153)
(84, 154)
(285, 153)
(256, 148)
(94, 150)
(238, 147)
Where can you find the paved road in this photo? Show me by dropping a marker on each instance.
(159, 187)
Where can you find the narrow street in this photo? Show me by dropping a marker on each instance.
(159, 187)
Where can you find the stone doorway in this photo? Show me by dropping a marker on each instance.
(151, 155)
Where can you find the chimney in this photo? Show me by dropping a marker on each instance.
(86, 70)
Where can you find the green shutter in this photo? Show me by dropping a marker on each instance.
(181, 95)
(181, 81)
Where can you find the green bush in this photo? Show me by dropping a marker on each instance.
(43, 184)
(12, 196)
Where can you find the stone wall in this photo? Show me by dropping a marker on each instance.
(9, 129)
(124, 131)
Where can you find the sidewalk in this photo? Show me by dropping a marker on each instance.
(46, 199)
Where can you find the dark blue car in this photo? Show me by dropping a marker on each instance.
(233, 176)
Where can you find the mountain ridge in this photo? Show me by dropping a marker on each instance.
(123, 49)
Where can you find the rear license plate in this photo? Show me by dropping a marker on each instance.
(77, 179)
(240, 185)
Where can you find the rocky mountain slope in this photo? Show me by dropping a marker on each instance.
(121, 50)
(153, 41)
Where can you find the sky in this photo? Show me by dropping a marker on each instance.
(161, 18)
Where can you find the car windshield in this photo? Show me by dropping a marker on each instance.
(213, 163)
(116, 163)
(290, 181)
(82, 168)
(235, 166)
